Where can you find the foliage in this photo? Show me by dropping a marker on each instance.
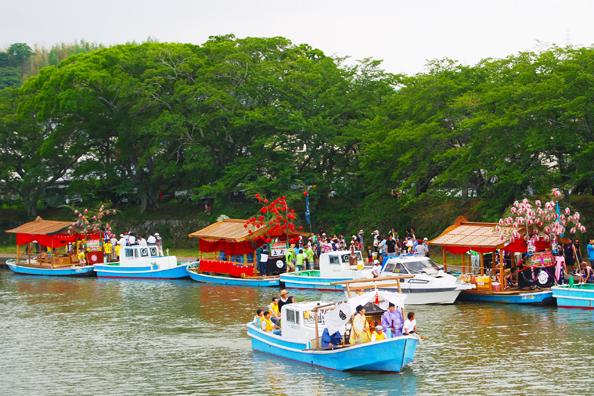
(134, 124)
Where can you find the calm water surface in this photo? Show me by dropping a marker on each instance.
(88, 336)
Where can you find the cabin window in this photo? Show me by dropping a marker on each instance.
(292, 316)
(129, 252)
(154, 251)
(144, 252)
(334, 259)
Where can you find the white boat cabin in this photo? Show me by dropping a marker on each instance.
(298, 321)
(142, 256)
(338, 265)
(411, 264)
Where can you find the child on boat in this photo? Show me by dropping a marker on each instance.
(258, 318)
(378, 334)
(266, 323)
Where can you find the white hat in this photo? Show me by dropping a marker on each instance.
(425, 239)
(156, 234)
(379, 327)
(375, 262)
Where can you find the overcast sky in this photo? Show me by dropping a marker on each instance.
(405, 34)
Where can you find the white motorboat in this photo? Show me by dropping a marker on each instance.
(430, 284)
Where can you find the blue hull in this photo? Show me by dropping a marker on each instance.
(70, 271)
(391, 355)
(109, 271)
(294, 281)
(227, 280)
(535, 298)
(573, 297)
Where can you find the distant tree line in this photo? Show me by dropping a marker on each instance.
(233, 117)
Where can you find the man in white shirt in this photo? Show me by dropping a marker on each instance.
(410, 324)
(151, 240)
(122, 240)
(131, 240)
(142, 242)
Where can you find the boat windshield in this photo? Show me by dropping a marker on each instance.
(346, 257)
(422, 267)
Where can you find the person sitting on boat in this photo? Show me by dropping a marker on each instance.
(378, 334)
(377, 268)
(258, 318)
(360, 330)
(266, 323)
(331, 341)
(275, 311)
(511, 279)
(392, 321)
(586, 273)
(410, 324)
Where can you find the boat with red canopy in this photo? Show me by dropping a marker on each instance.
(230, 250)
(480, 239)
(51, 249)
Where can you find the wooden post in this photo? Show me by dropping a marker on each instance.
(482, 264)
(29, 253)
(317, 331)
(443, 258)
(463, 263)
(501, 269)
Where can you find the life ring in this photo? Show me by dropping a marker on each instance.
(279, 264)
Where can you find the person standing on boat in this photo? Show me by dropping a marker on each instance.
(284, 299)
(151, 240)
(263, 260)
(142, 242)
(590, 249)
(131, 239)
(392, 321)
(360, 330)
(300, 260)
(290, 259)
(309, 252)
(159, 243)
(391, 245)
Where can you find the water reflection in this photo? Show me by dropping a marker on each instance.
(160, 337)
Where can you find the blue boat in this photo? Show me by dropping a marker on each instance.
(256, 281)
(142, 262)
(575, 296)
(299, 339)
(539, 297)
(73, 270)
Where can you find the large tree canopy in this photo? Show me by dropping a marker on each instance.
(234, 117)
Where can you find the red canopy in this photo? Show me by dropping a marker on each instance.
(53, 241)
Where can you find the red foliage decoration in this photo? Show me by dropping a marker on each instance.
(275, 216)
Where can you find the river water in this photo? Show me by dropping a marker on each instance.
(93, 336)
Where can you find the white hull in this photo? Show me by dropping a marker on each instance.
(422, 297)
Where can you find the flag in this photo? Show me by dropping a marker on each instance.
(307, 212)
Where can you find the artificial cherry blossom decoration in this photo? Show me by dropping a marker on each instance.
(534, 221)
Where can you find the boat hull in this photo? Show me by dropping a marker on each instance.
(143, 272)
(293, 280)
(528, 297)
(574, 297)
(416, 295)
(69, 271)
(391, 355)
(230, 281)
